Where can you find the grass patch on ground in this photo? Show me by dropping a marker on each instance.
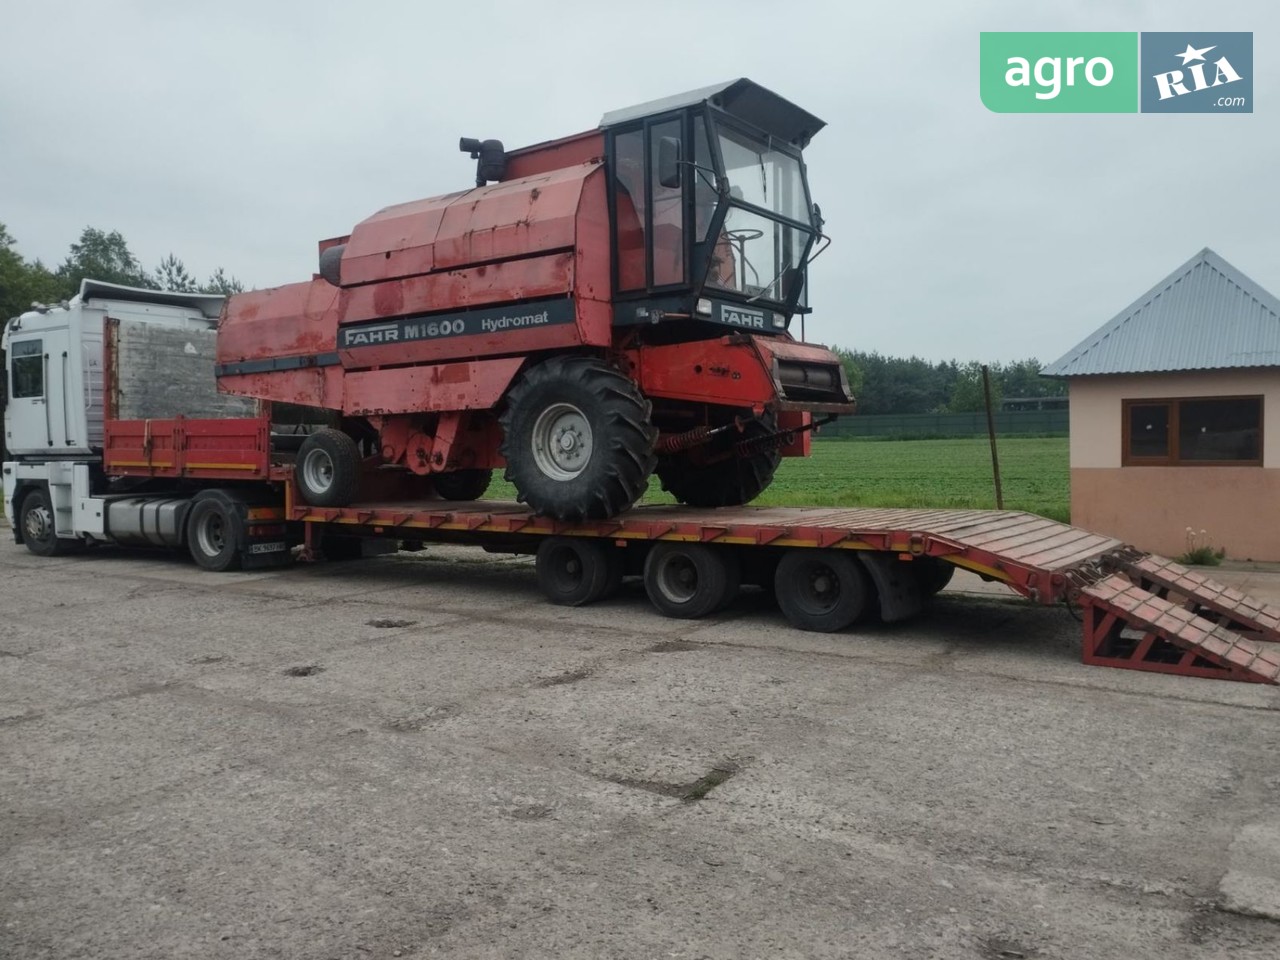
(953, 473)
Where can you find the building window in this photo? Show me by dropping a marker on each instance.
(1195, 431)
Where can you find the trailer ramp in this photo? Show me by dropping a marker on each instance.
(1158, 615)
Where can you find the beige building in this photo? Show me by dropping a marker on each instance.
(1170, 404)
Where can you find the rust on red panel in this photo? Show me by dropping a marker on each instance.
(469, 385)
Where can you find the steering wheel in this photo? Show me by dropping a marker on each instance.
(738, 239)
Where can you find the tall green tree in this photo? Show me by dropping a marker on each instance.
(99, 255)
(172, 274)
(968, 395)
(23, 282)
(221, 282)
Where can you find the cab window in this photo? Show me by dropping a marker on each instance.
(26, 360)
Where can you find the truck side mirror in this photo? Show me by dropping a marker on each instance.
(669, 161)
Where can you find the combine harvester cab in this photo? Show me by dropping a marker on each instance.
(596, 309)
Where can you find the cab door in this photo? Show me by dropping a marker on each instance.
(37, 418)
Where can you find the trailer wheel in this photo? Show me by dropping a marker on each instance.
(932, 574)
(821, 590)
(328, 468)
(572, 571)
(691, 580)
(462, 484)
(214, 534)
(727, 482)
(39, 533)
(577, 439)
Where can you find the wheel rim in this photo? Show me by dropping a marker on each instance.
(211, 534)
(567, 567)
(38, 525)
(818, 588)
(678, 579)
(562, 441)
(317, 470)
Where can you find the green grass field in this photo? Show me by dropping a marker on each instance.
(912, 473)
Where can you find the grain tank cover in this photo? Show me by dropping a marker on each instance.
(742, 98)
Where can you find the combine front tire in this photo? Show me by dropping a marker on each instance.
(577, 439)
(462, 484)
(716, 476)
(328, 469)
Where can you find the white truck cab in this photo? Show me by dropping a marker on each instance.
(53, 422)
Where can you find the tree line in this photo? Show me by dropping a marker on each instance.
(97, 255)
(912, 385)
(882, 384)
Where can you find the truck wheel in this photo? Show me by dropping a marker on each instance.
(328, 468)
(213, 534)
(821, 590)
(573, 572)
(690, 580)
(932, 574)
(462, 484)
(577, 439)
(728, 482)
(35, 520)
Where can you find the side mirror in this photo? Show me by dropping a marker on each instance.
(669, 162)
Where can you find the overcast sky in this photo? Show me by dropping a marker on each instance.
(237, 134)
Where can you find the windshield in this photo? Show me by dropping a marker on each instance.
(762, 176)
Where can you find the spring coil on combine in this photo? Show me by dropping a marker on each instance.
(674, 443)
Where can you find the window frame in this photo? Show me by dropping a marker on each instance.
(1173, 458)
(41, 360)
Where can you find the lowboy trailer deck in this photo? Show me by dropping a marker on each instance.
(234, 503)
(119, 435)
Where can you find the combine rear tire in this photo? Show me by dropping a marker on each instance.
(577, 439)
(727, 482)
(573, 571)
(328, 469)
(821, 590)
(462, 484)
(35, 520)
(691, 580)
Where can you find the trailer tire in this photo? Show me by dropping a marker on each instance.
(932, 574)
(328, 468)
(39, 530)
(577, 439)
(462, 484)
(573, 571)
(729, 482)
(215, 534)
(822, 590)
(691, 580)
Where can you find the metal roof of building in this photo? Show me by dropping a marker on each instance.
(1206, 315)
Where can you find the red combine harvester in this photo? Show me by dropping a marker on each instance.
(594, 310)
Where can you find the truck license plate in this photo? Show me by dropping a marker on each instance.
(267, 547)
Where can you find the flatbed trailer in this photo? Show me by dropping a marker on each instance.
(222, 487)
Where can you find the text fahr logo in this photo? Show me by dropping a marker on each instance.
(742, 317)
(1197, 73)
